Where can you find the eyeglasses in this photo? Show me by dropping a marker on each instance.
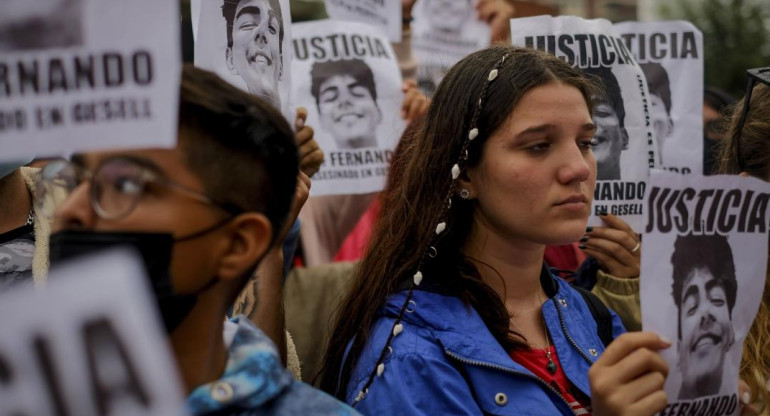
(757, 74)
(117, 185)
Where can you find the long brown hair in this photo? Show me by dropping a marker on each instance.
(755, 151)
(414, 200)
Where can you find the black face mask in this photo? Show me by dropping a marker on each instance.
(155, 250)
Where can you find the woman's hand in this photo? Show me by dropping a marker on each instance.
(616, 247)
(627, 380)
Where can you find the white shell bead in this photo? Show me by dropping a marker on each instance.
(417, 278)
(380, 369)
(440, 228)
(473, 133)
(455, 171)
(399, 328)
(492, 75)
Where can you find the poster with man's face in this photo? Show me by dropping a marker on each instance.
(443, 32)
(79, 75)
(347, 76)
(671, 56)
(704, 258)
(625, 147)
(385, 15)
(246, 42)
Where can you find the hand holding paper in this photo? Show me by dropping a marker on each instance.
(628, 378)
(616, 247)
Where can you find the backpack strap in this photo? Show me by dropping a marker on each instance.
(601, 315)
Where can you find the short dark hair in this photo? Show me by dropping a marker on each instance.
(604, 77)
(240, 147)
(658, 82)
(228, 12)
(709, 252)
(356, 68)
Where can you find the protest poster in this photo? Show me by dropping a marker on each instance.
(671, 57)
(81, 75)
(443, 32)
(625, 147)
(247, 43)
(347, 77)
(703, 268)
(89, 343)
(385, 15)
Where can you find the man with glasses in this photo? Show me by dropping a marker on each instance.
(202, 215)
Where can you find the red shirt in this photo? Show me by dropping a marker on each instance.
(536, 361)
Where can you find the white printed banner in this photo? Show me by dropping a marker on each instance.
(671, 57)
(704, 260)
(246, 42)
(383, 14)
(443, 32)
(81, 75)
(89, 343)
(347, 76)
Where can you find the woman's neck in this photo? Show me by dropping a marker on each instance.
(510, 266)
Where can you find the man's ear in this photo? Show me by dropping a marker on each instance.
(229, 61)
(250, 235)
(624, 138)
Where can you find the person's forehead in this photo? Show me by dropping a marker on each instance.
(260, 4)
(167, 162)
(344, 79)
(701, 276)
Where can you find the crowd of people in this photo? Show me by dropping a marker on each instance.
(451, 297)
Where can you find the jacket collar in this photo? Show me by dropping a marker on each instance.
(457, 326)
(254, 373)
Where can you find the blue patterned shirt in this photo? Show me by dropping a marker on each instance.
(255, 382)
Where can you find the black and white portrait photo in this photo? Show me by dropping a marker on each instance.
(347, 76)
(704, 290)
(660, 98)
(40, 24)
(448, 17)
(346, 97)
(247, 43)
(702, 281)
(254, 45)
(609, 116)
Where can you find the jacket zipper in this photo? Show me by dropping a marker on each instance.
(509, 371)
(569, 338)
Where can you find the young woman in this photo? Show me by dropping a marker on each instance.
(746, 151)
(452, 311)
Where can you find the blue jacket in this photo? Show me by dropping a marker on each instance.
(255, 382)
(446, 362)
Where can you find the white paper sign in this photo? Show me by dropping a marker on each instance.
(702, 278)
(443, 32)
(671, 57)
(89, 343)
(81, 75)
(247, 43)
(626, 148)
(383, 14)
(348, 78)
